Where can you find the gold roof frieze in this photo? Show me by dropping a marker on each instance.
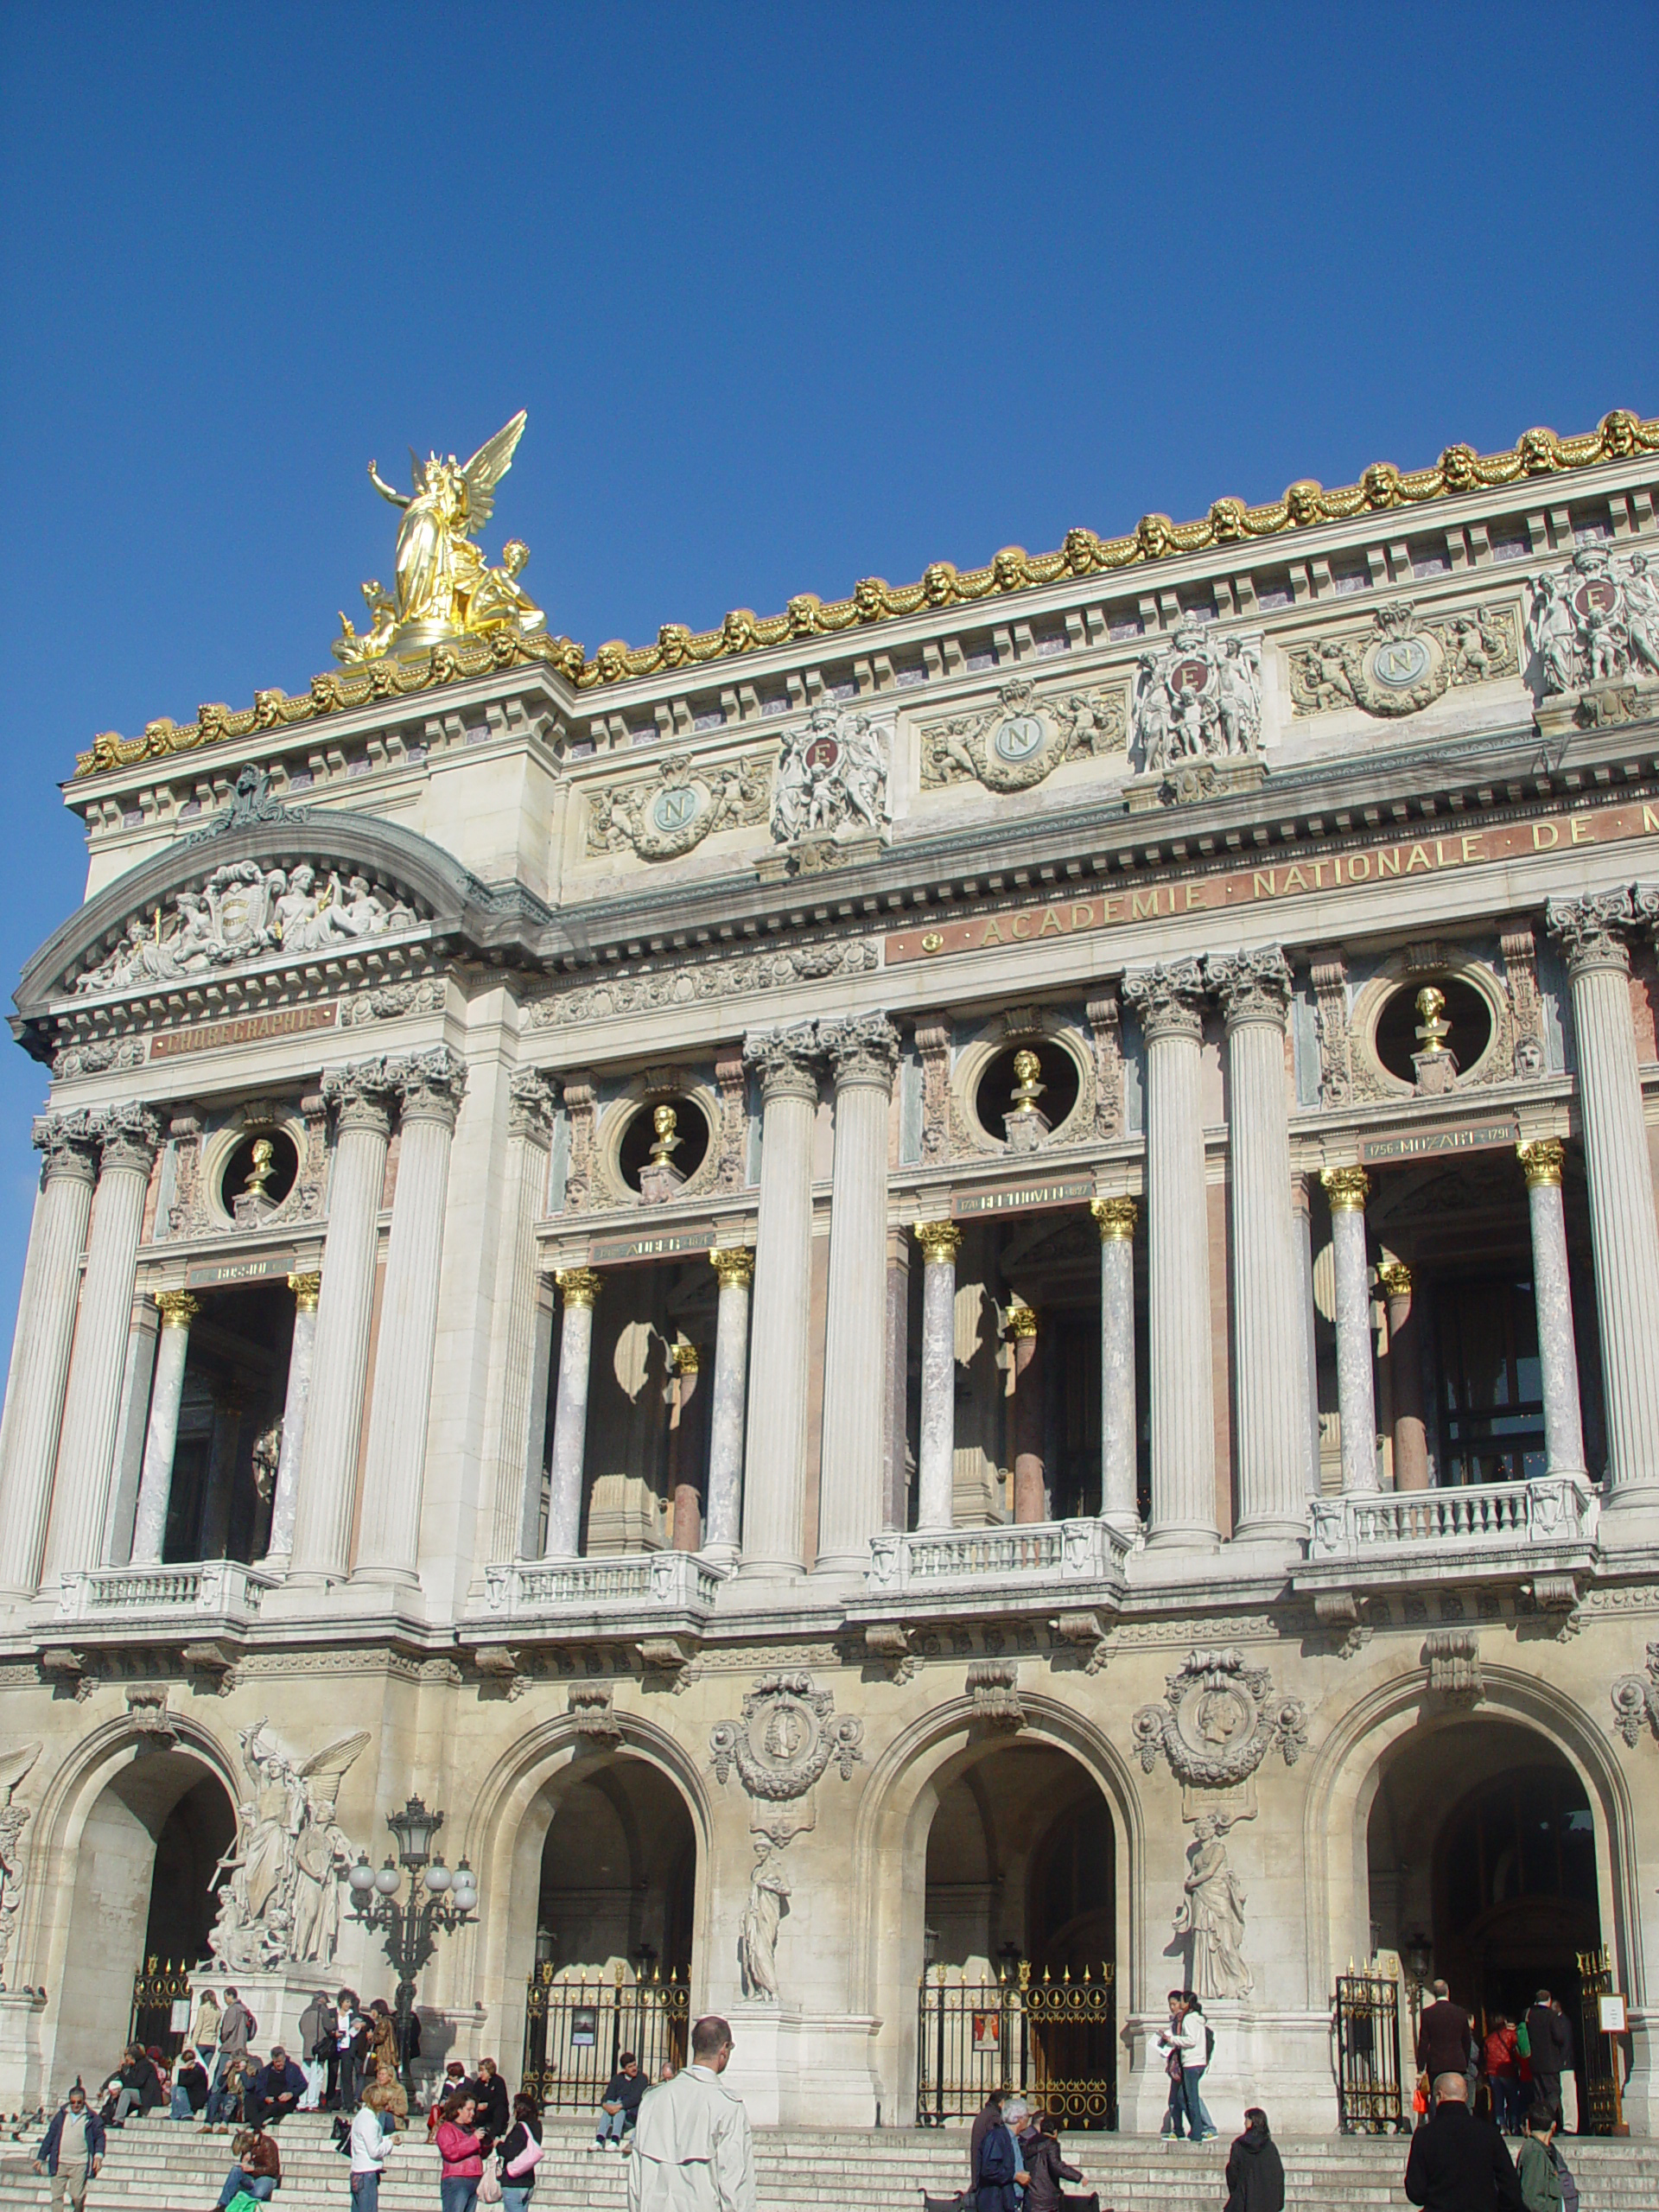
(1230, 526)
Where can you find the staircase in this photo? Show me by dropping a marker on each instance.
(156, 2165)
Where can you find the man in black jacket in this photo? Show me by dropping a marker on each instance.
(1458, 2162)
(1551, 2039)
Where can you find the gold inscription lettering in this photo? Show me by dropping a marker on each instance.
(1584, 830)
(1143, 905)
(1418, 859)
(1544, 835)
(1294, 879)
(1082, 916)
(1263, 884)
(1359, 867)
(1388, 863)
(1020, 926)
(1471, 843)
(993, 934)
(1051, 923)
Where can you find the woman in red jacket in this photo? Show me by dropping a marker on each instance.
(463, 2153)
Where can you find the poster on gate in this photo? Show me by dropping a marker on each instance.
(178, 2019)
(584, 2027)
(988, 2032)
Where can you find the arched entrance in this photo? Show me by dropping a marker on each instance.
(615, 1910)
(145, 1862)
(1021, 1882)
(1481, 1850)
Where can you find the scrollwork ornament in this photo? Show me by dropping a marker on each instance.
(1169, 999)
(1399, 665)
(662, 818)
(1251, 986)
(1021, 739)
(1636, 1702)
(1218, 1722)
(788, 1735)
(1588, 928)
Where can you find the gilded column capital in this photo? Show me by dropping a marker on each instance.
(685, 1359)
(578, 1286)
(1114, 1218)
(1347, 1188)
(1251, 986)
(68, 1144)
(1022, 1322)
(1169, 999)
(733, 1263)
(129, 1136)
(1587, 930)
(361, 1094)
(863, 1049)
(307, 1289)
(1394, 1279)
(178, 1308)
(532, 1095)
(787, 1061)
(940, 1241)
(430, 1085)
(1542, 1160)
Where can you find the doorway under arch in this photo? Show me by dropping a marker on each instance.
(145, 1863)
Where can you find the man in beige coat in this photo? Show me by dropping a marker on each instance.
(691, 2149)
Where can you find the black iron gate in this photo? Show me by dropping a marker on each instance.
(575, 2032)
(157, 1987)
(1368, 2100)
(1055, 2042)
(1601, 2104)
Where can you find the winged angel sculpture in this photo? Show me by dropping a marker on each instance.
(443, 587)
(279, 1893)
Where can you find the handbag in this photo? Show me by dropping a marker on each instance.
(489, 2182)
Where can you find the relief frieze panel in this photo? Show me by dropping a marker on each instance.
(1397, 664)
(663, 816)
(655, 988)
(1020, 738)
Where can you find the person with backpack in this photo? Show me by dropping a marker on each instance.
(237, 2030)
(1547, 2182)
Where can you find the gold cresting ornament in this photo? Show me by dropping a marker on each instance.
(1542, 1160)
(1433, 1029)
(664, 1120)
(1026, 1089)
(523, 637)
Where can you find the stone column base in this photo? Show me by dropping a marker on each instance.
(22, 2071)
(803, 2070)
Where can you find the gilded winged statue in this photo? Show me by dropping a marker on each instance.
(443, 586)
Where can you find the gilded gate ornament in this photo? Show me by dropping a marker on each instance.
(1218, 1722)
(787, 1737)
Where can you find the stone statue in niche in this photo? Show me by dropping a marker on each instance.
(13, 1820)
(279, 1883)
(1211, 1913)
(757, 1932)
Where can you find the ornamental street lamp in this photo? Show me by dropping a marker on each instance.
(438, 1899)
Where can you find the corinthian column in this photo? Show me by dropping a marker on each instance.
(1114, 1218)
(40, 1350)
(775, 1454)
(935, 1472)
(1405, 1378)
(735, 1271)
(360, 1097)
(1348, 1188)
(1542, 1163)
(128, 1137)
(178, 1309)
(1169, 999)
(1267, 1352)
(579, 1286)
(513, 1433)
(389, 1541)
(864, 1054)
(684, 1450)
(1620, 1175)
(307, 1289)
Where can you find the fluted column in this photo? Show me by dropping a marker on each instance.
(1116, 1218)
(1030, 1500)
(512, 1429)
(863, 1054)
(1348, 1188)
(936, 1470)
(735, 1271)
(1404, 1378)
(579, 1287)
(1169, 999)
(775, 1453)
(360, 1097)
(178, 1309)
(1620, 1177)
(1541, 1162)
(1267, 1353)
(128, 1137)
(307, 1289)
(685, 1458)
(40, 1348)
(389, 1540)
(1301, 1214)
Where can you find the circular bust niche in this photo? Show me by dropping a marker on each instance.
(1056, 1070)
(1396, 1037)
(691, 1126)
(283, 1159)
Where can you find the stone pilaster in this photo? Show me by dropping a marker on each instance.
(863, 1054)
(936, 1466)
(307, 1289)
(360, 1098)
(579, 1287)
(40, 1352)
(178, 1309)
(1267, 1353)
(775, 1455)
(513, 1422)
(734, 1270)
(1116, 1218)
(1169, 1000)
(430, 1085)
(1620, 1177)
(1302, 1215)
(127, 1137)
(1543, 1161)
(1348, 1188)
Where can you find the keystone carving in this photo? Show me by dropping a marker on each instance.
(1452, 1658)
(1218, 1722)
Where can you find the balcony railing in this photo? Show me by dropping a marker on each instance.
(1550, 1510)
(219, 1587)
(660, 1581)
(1036, 1553)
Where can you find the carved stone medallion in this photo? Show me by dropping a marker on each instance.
(788, 1735)
(672, 814)
(1019, 740)
(1398, 665)
(1218, 1722)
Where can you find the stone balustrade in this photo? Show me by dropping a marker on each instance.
(668, 1582)
(1018, 1556)
(220, 1587)
(1550, 1510)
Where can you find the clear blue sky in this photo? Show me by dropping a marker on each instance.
(792, 294)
